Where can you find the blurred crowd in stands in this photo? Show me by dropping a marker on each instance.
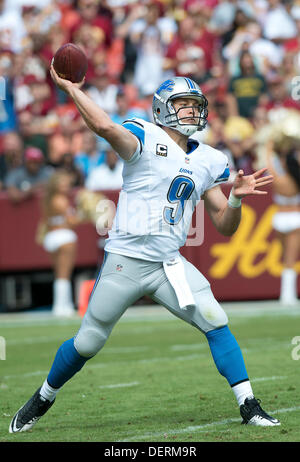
(245, 55)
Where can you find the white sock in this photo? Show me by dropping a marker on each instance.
(242, 391)
(48, 392)
(288, 287)
(62, 292)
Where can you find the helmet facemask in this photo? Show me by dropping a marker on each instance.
(175, 121)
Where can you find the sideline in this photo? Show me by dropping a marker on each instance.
(153, 313)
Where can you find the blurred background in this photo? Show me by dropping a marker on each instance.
(245, 55)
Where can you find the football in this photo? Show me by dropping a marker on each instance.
(70, 62)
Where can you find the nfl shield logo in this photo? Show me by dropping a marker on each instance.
(119, 267)
(187, 160)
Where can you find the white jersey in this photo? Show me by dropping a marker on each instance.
(162, 185)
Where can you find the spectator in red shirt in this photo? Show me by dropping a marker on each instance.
(91, 39)
(180, 54)
(279, 96)
(206, 6)
(205, 38)
(56, 37)
(192, 39)
(89, 12)
(42, 101)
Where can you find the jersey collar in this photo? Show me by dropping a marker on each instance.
(191, 146)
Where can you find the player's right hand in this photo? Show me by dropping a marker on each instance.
(64, 84)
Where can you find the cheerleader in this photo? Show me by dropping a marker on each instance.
(284, 164)
(60, 239)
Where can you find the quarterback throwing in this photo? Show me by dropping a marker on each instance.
(166, 172)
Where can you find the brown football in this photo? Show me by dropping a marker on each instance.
(70, 62)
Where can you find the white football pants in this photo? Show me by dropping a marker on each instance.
(124, 280)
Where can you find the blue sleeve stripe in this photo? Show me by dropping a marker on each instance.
(224, 175)
(136, 130)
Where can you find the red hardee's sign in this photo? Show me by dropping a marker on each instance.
(248, 265)
(242, 267)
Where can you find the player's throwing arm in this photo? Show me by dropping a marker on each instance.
(121, 140)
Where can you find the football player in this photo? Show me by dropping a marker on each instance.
(160, 191)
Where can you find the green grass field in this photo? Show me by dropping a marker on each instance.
(155, 380)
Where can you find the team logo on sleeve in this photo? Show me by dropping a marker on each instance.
(161, 150)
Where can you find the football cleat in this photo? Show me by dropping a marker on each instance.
(28, 415)
(253, 414)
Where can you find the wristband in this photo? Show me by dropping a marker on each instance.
(233, 201)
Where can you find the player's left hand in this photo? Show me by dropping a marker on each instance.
(250, 184)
